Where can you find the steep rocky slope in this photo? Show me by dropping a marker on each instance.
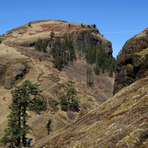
(20, 61)
(120, 122)
(132, 61)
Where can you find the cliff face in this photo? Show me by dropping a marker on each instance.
(132, 61)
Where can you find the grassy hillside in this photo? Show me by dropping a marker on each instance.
(119, 122)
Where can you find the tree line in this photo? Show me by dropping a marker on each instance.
(101, 60)
(63, 52)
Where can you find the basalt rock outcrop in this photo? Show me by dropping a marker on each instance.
(132, 61)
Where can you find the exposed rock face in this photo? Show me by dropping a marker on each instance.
(91, 36)
(12, 70)
(132, 61)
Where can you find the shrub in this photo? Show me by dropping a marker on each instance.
(94, 25)
(82, 25)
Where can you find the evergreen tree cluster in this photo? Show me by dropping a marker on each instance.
(97, 56)
(104, 62)
(24, 98)
(62, 53)
(68, 101)
(41, 45)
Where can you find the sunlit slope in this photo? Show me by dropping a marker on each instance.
(122, 121)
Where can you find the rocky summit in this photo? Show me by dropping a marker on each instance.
(132, 61)
(60, 56)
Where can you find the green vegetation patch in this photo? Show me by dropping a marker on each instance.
(68, 101)
(41, 45)
(62, 52)
(97, 56)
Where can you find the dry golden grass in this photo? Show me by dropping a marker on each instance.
(119, 122)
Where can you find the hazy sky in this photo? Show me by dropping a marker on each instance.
(117, 20)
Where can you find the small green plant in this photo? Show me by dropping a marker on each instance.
(68, 101)
(88, 26)
(69, 25)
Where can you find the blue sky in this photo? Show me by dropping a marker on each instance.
(117, 20)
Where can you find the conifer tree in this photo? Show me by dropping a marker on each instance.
(89, 77)
(52, 35)
(24, 98)
(68, 101)
(48, 126)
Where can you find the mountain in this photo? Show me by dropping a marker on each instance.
(20, 61)
(118, 123)
(104, 120)
(132, 61)
(122, 120)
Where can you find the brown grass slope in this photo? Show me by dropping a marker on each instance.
(120, 122)
(15, 58)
